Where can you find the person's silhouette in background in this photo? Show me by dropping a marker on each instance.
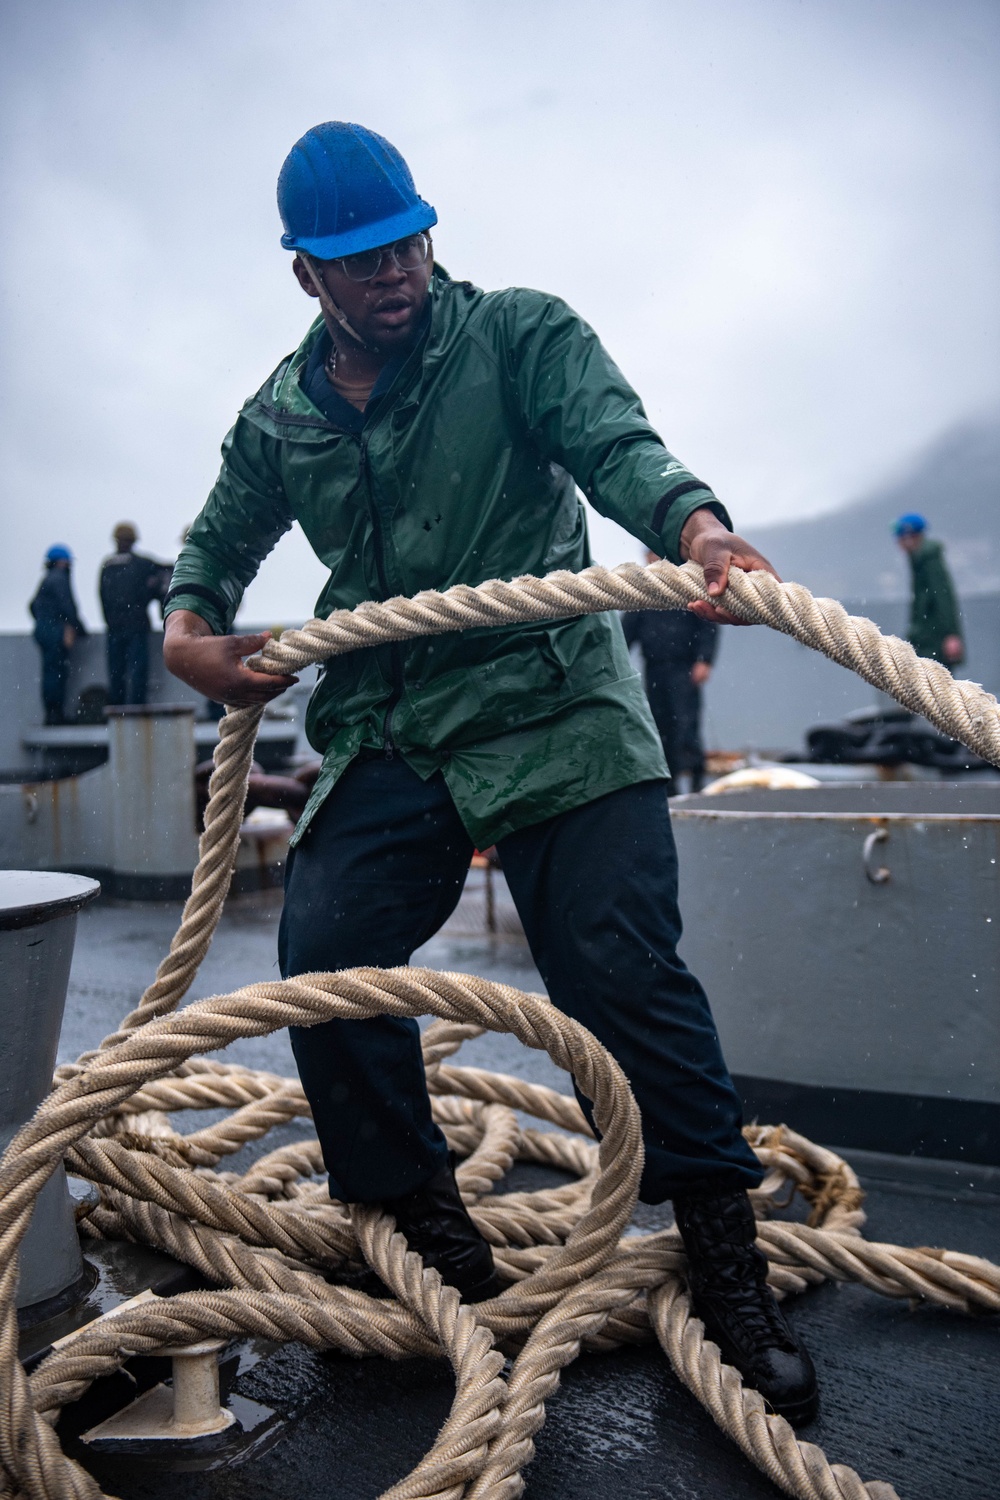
(57, 627)
(678, 650)
(935, 622)
(129, 582)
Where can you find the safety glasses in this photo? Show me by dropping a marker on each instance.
(408, 253)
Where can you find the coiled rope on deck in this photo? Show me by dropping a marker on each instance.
(267, 1237)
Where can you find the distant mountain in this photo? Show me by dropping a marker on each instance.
(850, 553)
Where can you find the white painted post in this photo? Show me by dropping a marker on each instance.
(154, 838)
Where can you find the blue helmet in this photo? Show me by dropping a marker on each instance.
(344, 189)
(910, 525)
(58, 553)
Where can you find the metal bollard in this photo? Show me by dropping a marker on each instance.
(37, 931)
(154, 839)
(197, 1409)
(185, 1411)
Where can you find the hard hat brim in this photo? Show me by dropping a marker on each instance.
(369, 237)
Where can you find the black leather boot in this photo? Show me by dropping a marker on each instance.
(727, 1279)
(437, 1225)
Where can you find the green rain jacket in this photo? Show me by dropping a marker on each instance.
(934, 608)
(466, 469)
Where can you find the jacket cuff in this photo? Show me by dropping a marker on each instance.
(200, 601)
(677, 511)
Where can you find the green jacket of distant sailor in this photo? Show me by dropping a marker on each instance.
(934, 612)
(465, 468)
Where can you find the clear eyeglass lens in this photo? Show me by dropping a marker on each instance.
(408, 255)
(411, 252)
(363, 266)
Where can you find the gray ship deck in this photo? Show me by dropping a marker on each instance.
(909, 1395)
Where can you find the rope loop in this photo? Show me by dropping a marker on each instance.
(268, 1238)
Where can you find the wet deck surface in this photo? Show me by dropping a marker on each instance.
(908, 1396)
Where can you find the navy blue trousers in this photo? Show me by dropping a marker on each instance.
(55, 666)
(128, 665)
(381, 868)
(676, 704)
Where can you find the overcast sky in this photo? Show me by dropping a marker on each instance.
(780, 215)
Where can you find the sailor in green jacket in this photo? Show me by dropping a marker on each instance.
(426, 433)
(935, 624)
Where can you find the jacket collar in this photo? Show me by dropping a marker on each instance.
(450, 306)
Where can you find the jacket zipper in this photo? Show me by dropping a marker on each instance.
(395, 652)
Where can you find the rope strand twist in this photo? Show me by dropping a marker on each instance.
(266, 1238)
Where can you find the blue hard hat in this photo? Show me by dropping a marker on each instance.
(344, 189)
(59, 553)
(910, 525)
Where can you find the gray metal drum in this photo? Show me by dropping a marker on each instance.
(37, 930)
(849, 940)
(154, 836)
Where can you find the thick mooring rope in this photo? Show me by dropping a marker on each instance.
(267, 1237)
